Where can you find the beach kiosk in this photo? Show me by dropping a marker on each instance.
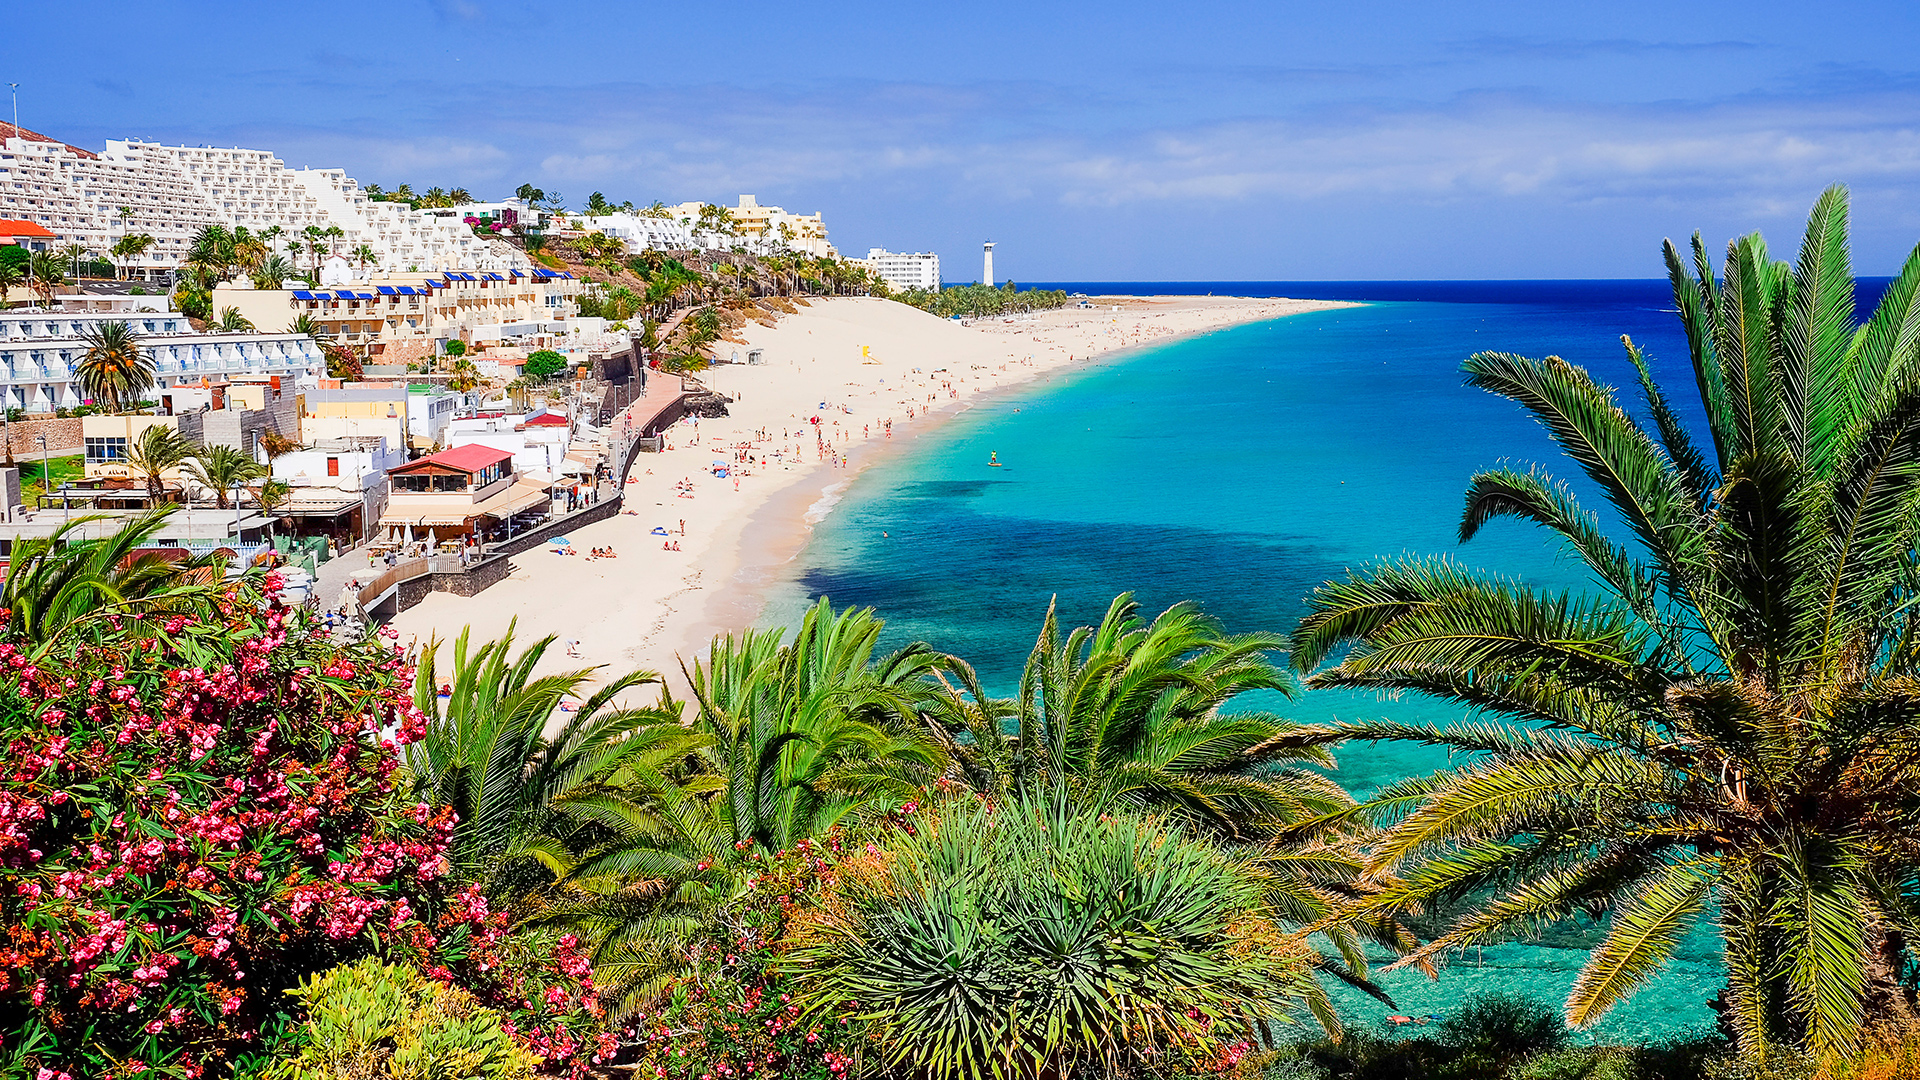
(466, 491)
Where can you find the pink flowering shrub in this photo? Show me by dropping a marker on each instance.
(730, 1012)
(194, 818)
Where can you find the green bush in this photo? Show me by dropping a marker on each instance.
(1504, 1027)
(1051, 941)
(370, 1020)
(544, 363)
(1577, 1064)
(456, 347)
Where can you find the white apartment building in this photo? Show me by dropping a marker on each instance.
(643, 233)
(769, 228)
(40, 350)
(79, 195)
(904, 270)
(171, 192)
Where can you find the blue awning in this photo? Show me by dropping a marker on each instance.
(323, 296)
(408, 290)
(386, 290)
(495, 277)
(301, 295)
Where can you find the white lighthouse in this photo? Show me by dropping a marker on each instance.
(988, 279)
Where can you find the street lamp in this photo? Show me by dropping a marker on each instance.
(46, 480)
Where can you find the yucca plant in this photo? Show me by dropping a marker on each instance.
(1725, 729)
(1048, 939)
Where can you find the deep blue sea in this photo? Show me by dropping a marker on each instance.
(1241, 469)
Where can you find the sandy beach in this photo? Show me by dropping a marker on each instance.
(874, 373)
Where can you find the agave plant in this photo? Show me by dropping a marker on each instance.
(1726, 730)
(1049, 939)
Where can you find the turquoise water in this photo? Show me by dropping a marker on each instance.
(1239, 470)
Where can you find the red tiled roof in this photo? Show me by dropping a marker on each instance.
(9, 131)
(548, 420)
(470, 458)
(15, 227)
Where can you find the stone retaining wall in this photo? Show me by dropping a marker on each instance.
(527, 541)
(468, 582)
(63, 437)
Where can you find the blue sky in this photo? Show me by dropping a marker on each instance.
(1114, 141)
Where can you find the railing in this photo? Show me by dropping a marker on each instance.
(405, 571)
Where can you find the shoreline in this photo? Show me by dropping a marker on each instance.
(889, 364)
(777, 533)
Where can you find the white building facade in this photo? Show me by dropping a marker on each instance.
(766, 229)
(904, 270)
(39, 353)
(171, 192)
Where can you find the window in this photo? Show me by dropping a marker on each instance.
(333, 466)
(106, 449)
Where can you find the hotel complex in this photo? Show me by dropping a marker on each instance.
(40, 350)
(171, 192)
(905, 270)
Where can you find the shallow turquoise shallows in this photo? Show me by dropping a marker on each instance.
(1239, 470)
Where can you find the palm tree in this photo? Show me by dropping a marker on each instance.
(486, 752)
(273, 272)
(221, 469)
(1129, 713)
(272, 495)
(114, 371)
(232, 322)
(305, 323)
(130, 246)
(46, 269)
(71, 254)
(790, 739)
(364, 254)
(12, 276)
(1726, 730)
(155, 450)
(56, 583)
